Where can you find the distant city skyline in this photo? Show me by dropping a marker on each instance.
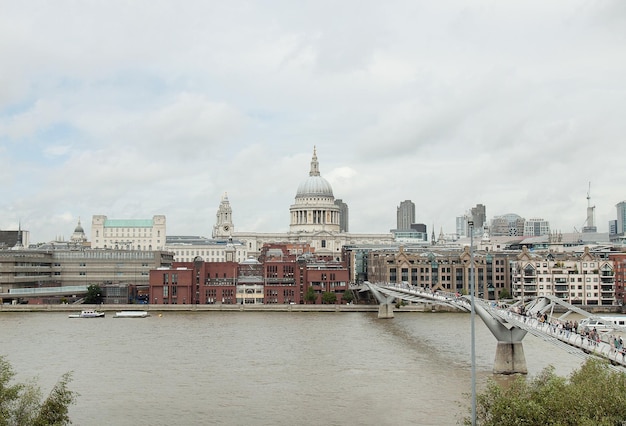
(513, 105)
(66, 236)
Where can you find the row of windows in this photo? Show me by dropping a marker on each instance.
(207, 259)
(571, 287)
(572, 279)
(125, 230)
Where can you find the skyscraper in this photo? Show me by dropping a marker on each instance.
(479, 216)
(621, 217)
(344, 218)
(406, 215)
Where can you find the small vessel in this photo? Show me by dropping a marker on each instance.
(604, 324)
(88, 313)
(131, 314)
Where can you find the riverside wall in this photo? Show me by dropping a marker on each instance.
(218, 307)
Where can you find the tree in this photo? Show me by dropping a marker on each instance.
(504, 294)
(348, 296)
(94, 295)
(592, 395)
(329, 297)
(21, 404)
(310, 295)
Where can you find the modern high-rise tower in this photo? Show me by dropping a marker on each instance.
(479, 216)
(406, 215)
(621, 217)
(344, 217)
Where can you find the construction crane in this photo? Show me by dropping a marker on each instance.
(589, 225)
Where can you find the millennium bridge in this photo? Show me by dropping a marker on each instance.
(507, 325)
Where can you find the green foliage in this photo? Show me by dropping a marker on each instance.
(592, 395)
(55, 408)
(21, 404)
(329, 298)
(348, 296)
(504, 294)
(94, 295)
(310, 295)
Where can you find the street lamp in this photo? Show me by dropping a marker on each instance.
(472, 320)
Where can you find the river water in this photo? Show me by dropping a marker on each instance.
(256, 368)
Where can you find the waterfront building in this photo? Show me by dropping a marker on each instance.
(442, 269)
(579, 279)
(130, 234)
(282, 274)
(50, 267)
(619, 267)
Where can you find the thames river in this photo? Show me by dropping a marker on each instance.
(262, 368)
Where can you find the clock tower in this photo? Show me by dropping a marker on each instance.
(224, 224)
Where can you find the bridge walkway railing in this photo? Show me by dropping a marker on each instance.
(570, 341)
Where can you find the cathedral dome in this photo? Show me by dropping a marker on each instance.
(79, 234)
(315, 185)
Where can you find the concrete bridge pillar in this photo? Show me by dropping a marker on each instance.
(385, 303)
(385, 310)
(510, 358)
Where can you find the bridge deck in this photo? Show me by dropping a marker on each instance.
(572, 342)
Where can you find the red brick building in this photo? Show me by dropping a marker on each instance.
(283, 274)
(619, 267)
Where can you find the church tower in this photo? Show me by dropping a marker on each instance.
(224, 225)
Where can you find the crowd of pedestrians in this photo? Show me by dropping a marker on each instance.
(589, 336)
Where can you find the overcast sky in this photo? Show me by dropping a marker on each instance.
(136, 108)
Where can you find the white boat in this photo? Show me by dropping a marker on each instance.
(88, 313)
(603, 324)
(131, 314)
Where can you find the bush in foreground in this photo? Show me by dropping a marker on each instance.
(21, 403)
(593, 395)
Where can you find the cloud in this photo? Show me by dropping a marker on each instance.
(142, 108)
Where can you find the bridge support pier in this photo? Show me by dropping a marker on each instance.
(510, 359)
(385, 310)
(385, 303)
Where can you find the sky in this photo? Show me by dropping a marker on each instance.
(135, 108)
